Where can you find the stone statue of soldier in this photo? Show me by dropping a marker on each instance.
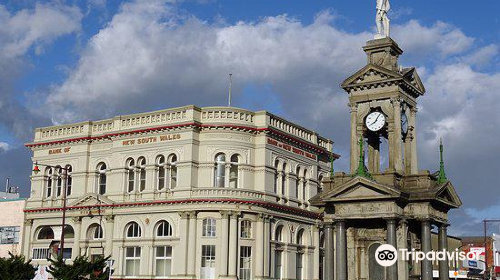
(383, 22)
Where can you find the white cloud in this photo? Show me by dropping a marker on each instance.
(482, 56)
(4, 147)
(441, 38)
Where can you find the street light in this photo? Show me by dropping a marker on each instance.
(36, 170)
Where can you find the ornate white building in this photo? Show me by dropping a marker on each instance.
(183, 193)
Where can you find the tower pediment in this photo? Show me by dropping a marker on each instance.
(373, 75)
(91, 200)
(446, 194)
(360, 189)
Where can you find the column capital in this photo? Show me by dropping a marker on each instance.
(110, 218)
(76, 220)
(234, 214)
(28, 222)
(225, 213)
(443, 225)
(192, 214)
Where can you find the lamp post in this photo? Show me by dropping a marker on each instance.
(36, 170)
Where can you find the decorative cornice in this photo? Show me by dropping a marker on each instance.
(264, 204)
(290, 138)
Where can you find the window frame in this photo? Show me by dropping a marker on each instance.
(245, 271)
(169, 229)
(165, 258)
(209, 229)
(136, 258)
(137, 230)
(246, 224)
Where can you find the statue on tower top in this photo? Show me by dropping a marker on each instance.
(382, 20)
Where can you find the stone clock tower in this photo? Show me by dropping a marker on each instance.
(399, 205)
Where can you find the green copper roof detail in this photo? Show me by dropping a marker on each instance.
(362, 170)
(442, 175)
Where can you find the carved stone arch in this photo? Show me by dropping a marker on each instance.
(98, 160)
(173, 223)
(91, 228)
(125, 223)
(306, 235)
(375, 271)
(285, 231)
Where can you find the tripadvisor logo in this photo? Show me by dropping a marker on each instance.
(387, 255)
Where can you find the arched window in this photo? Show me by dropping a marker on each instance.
(172, 162)
(163, 229)
(59, 181)
(69, 232)
(300, 237)
(45, 233)
(209, 228)
(48, 173)
(278, 234)
(160, 175)
(142, 173)
(130, 175)
(101, 179)
(304, 186)
(133, 230)
(375, 270)
(233, 172)
(276, 164)
(246, 229)
(69, 179)
(220, 170)
(283, 180)
(95, 232)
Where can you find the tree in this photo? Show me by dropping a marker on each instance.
(81, 268)
(16, 268)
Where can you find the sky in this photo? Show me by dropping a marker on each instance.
(64, 61)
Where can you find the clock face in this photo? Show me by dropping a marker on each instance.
(375, 121)
(404, 122)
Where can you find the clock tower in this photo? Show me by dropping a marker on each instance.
(383, 102)
(398, 205)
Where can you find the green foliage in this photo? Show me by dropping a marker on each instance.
(81, 268)
(16, 268)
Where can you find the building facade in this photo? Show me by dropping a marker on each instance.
(11, 226)
(184, 193)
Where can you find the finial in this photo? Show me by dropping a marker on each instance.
(442, 175)
(362, 170)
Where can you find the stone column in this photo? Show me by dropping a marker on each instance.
(267, 246)
(341, 250)
(259, 247)
(317, 250)
(183, 253)
(354, 138)
(329, 252)
(444, 267)
(224, 243)
(233, 245)
(412, 125)
(191, 252)
(77, 221)
(392, 240)
(108, 230)
(398, 158)
(26, 241)
(426, 247)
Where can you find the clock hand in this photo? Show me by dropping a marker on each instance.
(376, 119)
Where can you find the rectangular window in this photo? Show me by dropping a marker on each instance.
(131, 180)
(161, 177)
(245, 263)
(132, 261)
(9, 235)
(246, 229)
(41, 253)
(207, 270)
(277, 265)
(298, 266)
(163, 260)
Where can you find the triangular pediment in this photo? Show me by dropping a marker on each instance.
(91, 200)
(371, 73)
(446, 194)
(360, 188)
(411, 76)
